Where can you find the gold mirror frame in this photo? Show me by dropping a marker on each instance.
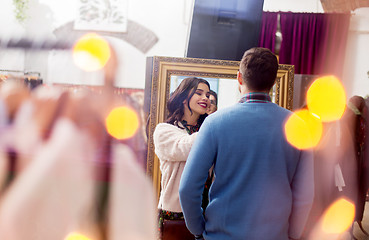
(160, 70)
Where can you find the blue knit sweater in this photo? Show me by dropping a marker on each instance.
(263, 187)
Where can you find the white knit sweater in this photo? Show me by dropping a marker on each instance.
(172, 146)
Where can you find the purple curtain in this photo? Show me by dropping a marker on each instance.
(300, 40)
(332, 48)
(268, 30)
(314, 42)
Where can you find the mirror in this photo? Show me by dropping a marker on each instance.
(163, 75)
(227, 91)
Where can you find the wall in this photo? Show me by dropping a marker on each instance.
(12, 59)
(293, 6)
(169, 20)
(356, 77)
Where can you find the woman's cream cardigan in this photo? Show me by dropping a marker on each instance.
(172, 146)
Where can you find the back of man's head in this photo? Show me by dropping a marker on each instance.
(259, 68)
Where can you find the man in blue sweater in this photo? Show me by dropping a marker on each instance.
(263, 186)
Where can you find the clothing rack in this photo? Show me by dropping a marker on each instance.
(20, 73)
(30, 78)
(12, 71)
(32, 44)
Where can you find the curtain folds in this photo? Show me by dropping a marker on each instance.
(269, 23)
(331, 54)
(314, 43)
(300, 33)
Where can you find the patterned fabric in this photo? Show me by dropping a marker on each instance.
(163, 214)
(190, 128)
(11, 174)
(255, 97)
(205, 193)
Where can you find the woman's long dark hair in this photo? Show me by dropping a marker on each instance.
(184, 91)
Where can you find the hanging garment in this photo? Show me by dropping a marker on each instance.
(54, 195)
(132, 208)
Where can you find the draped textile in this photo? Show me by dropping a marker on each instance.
(268, 30)
(301, 37)
(54, 195)
(314, 43)
(332, 48)
(132, 207)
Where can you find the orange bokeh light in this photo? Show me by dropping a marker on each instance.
(339, 217)
(122, 123)
(91, 52)
(76, 236)
(303, 129)
(326, 98)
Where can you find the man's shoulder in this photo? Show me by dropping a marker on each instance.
(223, 116)
(236, 113)
(226, 110)
(238, 109)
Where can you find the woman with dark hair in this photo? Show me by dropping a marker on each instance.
(187, 108)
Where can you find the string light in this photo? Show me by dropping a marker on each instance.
(326, 98)
(122, 123)
(339, 217)
(76, 236)
(91, 52)
(303, 129)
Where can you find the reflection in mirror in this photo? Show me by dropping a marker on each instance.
(228, 93)
(226, 89)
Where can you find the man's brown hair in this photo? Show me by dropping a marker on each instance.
(259, 68)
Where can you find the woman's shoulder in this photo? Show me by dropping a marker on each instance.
(164, 127)
(165, 132)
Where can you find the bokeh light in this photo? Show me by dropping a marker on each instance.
(76, 236)
(326, 98)
(303, 129)
(122, 123)
(339, 217)
(91, 52)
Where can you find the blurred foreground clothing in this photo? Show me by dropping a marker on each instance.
(341, 163)
(67, 179)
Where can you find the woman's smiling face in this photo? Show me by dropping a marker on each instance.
(199, 101)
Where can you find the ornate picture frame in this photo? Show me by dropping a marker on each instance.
(158, 78)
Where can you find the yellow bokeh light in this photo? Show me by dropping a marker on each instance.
(122, 123)
(303, 129)
(339, 217)
(91, 52)
(326, 98)
(76, 236)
